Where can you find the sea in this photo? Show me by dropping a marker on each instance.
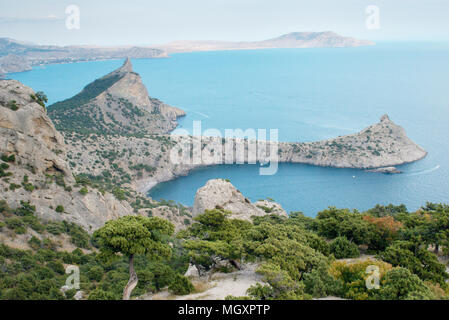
(307, 95)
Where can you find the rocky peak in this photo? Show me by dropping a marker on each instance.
(117, 103)
(385, 118)
(221, 194)
(127, 66)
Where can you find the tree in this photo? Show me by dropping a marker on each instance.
(181, 285)
(401, 284)
(343, 248)
(333, 222)
(132, 235)
(215, 238)
(385, 231)
(280, 285)
(40, 97)
(423, 263)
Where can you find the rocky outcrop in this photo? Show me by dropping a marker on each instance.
(27, 133)
(38, 173)
(221, 194)
(116, 104)
(388, 170)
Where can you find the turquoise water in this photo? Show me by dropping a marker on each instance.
(308, 94)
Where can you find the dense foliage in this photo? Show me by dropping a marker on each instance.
(298, 257)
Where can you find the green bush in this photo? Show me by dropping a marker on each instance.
(342, 248)
(54, 228)
(13, 105)
(35, 243)
(181, 285)
(11, 158)
(401, 284)
(96, 273)
(16, 224)
(99, 294)
(59, 209)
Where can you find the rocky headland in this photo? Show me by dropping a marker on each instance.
(112, 140)
(144, 152)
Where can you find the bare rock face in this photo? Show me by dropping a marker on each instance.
(39, 170)
(28, 133)
(221, 194)
(270, 207)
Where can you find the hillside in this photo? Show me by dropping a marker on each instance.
(22, 55)
(116, 104)
(35, 169)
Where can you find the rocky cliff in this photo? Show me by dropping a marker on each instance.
(116, 104)
(221, 194)
(34, 166)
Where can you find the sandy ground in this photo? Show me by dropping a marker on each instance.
(217, 287)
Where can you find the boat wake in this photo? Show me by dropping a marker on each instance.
(201, 114)
(425, 171)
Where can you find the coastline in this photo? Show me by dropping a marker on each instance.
(146, 185)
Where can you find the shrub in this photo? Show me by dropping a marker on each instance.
(354, 276)
(16, 224)
(343, 248)
(56, 266)
(54, 228)
(14, 186)
(84, 191)
(99, 294)
(35, 243)
(13, 105)
(96, 273)
(59, 209)
(181, 285)
(401, 284)
(11, 158)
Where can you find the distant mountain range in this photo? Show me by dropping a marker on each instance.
(290, 40)
(17, 56)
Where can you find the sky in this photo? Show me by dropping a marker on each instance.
(148, 22)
